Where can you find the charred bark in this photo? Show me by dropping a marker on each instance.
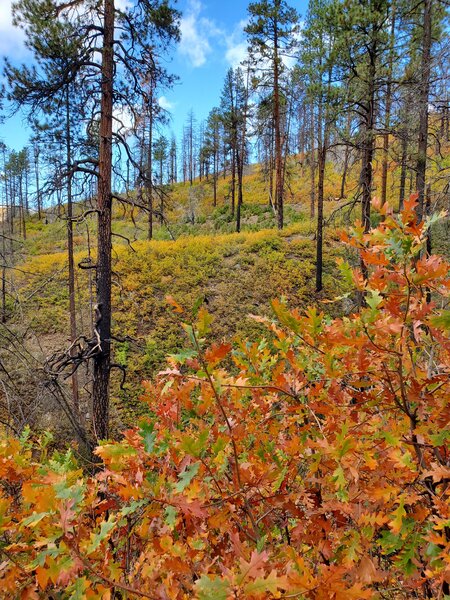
(424, 92)
(102, 360)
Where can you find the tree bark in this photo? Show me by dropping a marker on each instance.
(322, 146)
(26, 166)
(241, 153)
(302, 132)
(215, 173)
(240, 161)
(312, 206)
(22, 208)
(191, 149)
(346, 154)
(424, 92)
(150, 165)
(102, 360)
(428, 246)
(38, 189)
(277, 125)
(403, 170)
(366, 167)
(387, 116)
(319, 236)
(4, 317)
(233, 179)
(344, 172)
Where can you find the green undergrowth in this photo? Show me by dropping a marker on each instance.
(48, 238)
(235, 274)
(189, 211)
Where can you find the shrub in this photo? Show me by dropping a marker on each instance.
(317, 467)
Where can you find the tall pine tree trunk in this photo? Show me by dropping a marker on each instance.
(312, 209)
(302, 132)
(22, 208)
(346, 154)
(191, 149)
(319, 237)
(102, 360)
(215, 176)
(403, 169)
(240, 163)
(150, 165)
(387, 115)
(424, 92)
(27, 204)
(161, 195)
(242, 152)
(38, 189)
(278, 146)
(322, 146)
(344, 172)
(368, 140)
(4, 318)
(233, 179)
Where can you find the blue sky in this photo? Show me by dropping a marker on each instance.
(212, 40)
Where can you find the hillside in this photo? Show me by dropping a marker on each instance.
(236, 274)
(254, 452)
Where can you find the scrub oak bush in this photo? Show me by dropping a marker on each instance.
(313, 464)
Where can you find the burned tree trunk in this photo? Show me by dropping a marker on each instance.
(278, 146)
(102, 360)
(424, 92)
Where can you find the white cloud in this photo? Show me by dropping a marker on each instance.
(123, 4)
(11, 38)
(289, 61)
(236, 45)
(196, 32)
(236, 54)
(165, 104)
(123, 120)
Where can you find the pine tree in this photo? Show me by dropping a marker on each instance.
(365, 35)
(272, 35)
(233, 109)
(319, 58)
(65, 40)
(212, 146)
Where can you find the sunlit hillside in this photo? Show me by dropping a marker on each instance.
(237, 274)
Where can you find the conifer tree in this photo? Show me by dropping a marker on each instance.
(319, 59)
(365, 35)
(424, 93)
(233, 106)
(66, 39)
(212, 146)
(272, 35)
